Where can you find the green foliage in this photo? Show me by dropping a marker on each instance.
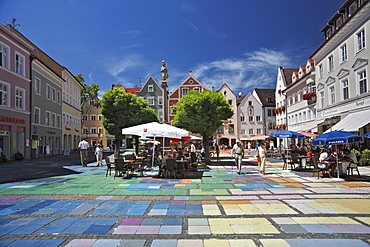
(121, 110)
(365, 157)
(88, 93)
(202, 112)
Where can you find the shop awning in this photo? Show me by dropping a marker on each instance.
(305, 126)
(353, 122)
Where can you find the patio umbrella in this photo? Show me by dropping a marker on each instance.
(308, 134)
(367, 135)
(155, 129)
(335, 138)
(287, 134)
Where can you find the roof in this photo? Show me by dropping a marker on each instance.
(133, 90)
(265, 94)
(288, 75)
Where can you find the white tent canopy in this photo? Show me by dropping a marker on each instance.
(156, 130)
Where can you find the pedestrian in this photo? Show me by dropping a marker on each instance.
(83, 146)
(262, 153)
(249, 147)
(99, 155)
(238, 151)
(217, 152)
(193, 156)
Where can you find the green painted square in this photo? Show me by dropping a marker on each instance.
(84, 191)
(195, 198)
(198, 222)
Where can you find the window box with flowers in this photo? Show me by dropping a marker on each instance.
(280, 92)
(283, 108)
(308, 96)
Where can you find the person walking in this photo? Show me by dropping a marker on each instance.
(83, 146)
(99, 155)
(217, 148)
(238, 150)
(262, 153)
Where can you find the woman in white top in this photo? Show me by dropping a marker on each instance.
(99, 155)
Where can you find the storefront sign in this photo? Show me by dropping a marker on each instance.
(21, 129)
(5, 127)
(12, 120)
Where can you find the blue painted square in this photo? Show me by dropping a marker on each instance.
(98, 229)
(172, 221)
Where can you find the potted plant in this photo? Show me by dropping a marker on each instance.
(308, 96)
(279, 91)
(283, 108)
(365, 157)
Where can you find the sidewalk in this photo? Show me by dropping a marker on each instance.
(56, 202)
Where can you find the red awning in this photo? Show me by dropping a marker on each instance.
(308, 134)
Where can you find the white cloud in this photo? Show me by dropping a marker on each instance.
(188, 7)
(257, 70)
(193, 26)
(117, 66)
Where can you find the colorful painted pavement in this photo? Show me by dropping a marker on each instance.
(83, 207)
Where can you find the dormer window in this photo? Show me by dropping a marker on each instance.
(150, 88)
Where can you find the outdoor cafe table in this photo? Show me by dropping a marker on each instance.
(182, 166)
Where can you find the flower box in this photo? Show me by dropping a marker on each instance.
(308, 96)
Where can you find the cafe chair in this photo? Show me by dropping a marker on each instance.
(287, 162)
(353, 166)
(119, 167)
(170, 168)
(110, 166)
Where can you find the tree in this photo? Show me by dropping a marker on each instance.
(203, 113)
(121, 110)
(88, 93)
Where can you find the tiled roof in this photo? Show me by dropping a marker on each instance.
(288, 75)
(265, 94)
(133, 90)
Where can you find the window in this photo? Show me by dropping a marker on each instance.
(100, 117)
(92, 118)
(242, 131)
(249, 102)
(230, 102)
(58, 121)
(362, 81)
(150, 100)
(91, 102)
(19, 101)
(332, 94)
(258, 118)
(47, 118)
(37, 85)
(184, 91)
(150, 88)
(330, 63)
(304, 116)
(251, 131)
(160, 101)
(85, 131)
(270, 112)
(231, 129)
(4, 94)
(36, 115)
(322, 99)
(345, 89)
(100, 130)
(58, 97)
(259, 131)
(269, 100)
(53, 118)
(84, 118)
(242, 118)
(321, 71)
(19, 63)
(343, 53)
(361, 40)
(197, 89)
(250, 118)
(93, 130)
(3, 56)
(48, 91)
(53, 95)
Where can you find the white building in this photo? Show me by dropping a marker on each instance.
(342, 70)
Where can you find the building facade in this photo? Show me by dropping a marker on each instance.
(152, 93)
(46, 119)
(229, 131)
(182, 90)
(342, 70)
(14, 94)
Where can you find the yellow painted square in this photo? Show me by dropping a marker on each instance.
(324, 220)
(216, 243)
(241, 243)
(345, 220)
(231, 206)
(221, 229)
(234, 212)
(243, 229)
(303, 220)
(364, 219)
(211, 212)
(274, 243)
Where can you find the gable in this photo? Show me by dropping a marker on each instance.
(320, 86)
(343, 73)
(330, 80)
(359, 63)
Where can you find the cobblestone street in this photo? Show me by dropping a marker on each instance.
(70, 205)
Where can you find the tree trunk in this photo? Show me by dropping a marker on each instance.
(207, 158)
(117, 144)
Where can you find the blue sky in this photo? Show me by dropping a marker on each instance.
(238, 42)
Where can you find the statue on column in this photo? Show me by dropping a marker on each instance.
(164, 71)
